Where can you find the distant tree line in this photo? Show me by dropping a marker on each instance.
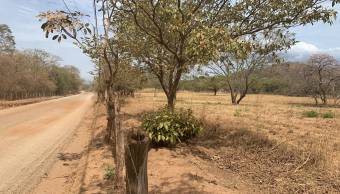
(32, 73)
(318, 78)
(203, 83)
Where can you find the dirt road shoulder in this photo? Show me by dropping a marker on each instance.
(66, 173)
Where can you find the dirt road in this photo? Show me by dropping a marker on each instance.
(31, 137)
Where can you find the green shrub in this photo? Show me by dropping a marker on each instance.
(237, 113)
(165, 127)
(328, 115)
(109, 172)
(310, 114)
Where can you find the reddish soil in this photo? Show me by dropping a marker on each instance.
(34, 136)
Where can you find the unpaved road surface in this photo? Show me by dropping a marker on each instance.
(31, 137)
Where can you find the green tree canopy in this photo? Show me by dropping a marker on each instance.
(7, 43)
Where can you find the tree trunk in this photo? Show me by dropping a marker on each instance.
(239, 100)
(241, 97)
(110, 106)
(119, 181)
(324, 99)
(171, 97)
(215, 92)
(136, 157)
(316, 100)
(115, 136)
(233, 96)
(171, 103)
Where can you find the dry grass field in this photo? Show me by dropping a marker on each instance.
(266, 144)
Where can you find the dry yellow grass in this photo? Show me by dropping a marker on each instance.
(273, 124)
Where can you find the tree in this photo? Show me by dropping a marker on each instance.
(7, 43)
(102, 45)
(281, 78)
(170, 37)
(239, 68)
(66, 79)
(321, 74)
(165, 38)
(202, 83)
(214, 83)
(238, 74)
(35, 73)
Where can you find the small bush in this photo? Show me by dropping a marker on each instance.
(310, 114)
(165, 127)
(237, 113)
(109, 172)
(328, 115)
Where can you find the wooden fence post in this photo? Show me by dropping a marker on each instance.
(136, 158)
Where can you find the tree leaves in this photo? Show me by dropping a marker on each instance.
(334, 2)
(43, 26)
(63, 23)
(55, 37)
(168, 127)
(7, 42)
(170, 37)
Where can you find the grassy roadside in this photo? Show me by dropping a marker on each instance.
(266, 140)
(264, 145)
(8, 104)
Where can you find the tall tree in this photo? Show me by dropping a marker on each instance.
(239, 73)
(322, 74)
(7, 43)
(239, 68)
(169, 37)
(102, 45)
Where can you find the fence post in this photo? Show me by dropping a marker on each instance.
(136, 158)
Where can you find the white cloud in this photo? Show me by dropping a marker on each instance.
(303, 50)
(334, 52)
(304, 47)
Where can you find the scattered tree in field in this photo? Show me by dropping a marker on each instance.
(202, 83)
(7, 43)
(170, 37)
(214, 84)
(322, 75)
(239, 68)
(239, 73)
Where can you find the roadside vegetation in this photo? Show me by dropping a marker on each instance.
(270, 146)
(166, 127)
(288, 78)
(33, 73)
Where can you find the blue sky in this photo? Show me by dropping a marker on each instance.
(20, 15)
(316, 38)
